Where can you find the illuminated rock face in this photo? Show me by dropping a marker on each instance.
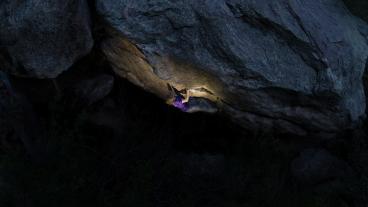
(43, 38)
(290, 66)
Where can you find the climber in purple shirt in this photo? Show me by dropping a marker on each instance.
(179, 99)
(178, 103)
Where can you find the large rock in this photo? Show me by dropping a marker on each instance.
(92, 90)
(294, 66)
(318, 166)
(43, 38)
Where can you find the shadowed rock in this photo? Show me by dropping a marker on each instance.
(317, 166)
(17, 115)
(358, 7)
(291, 66)
(43, 38)
(92, 90)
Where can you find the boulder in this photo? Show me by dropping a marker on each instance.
(91, 90)
(290, 66)
(319, 167)
(43, 38)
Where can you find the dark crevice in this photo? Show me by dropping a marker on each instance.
(358, 8)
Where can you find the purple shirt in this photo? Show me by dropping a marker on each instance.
(178, 103)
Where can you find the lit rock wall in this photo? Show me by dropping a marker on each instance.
(285, 66)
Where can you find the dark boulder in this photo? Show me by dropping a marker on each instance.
(91, 90)
(43, 38)
(290, 66)
(319, 167)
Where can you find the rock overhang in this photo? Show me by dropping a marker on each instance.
(268, 67)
